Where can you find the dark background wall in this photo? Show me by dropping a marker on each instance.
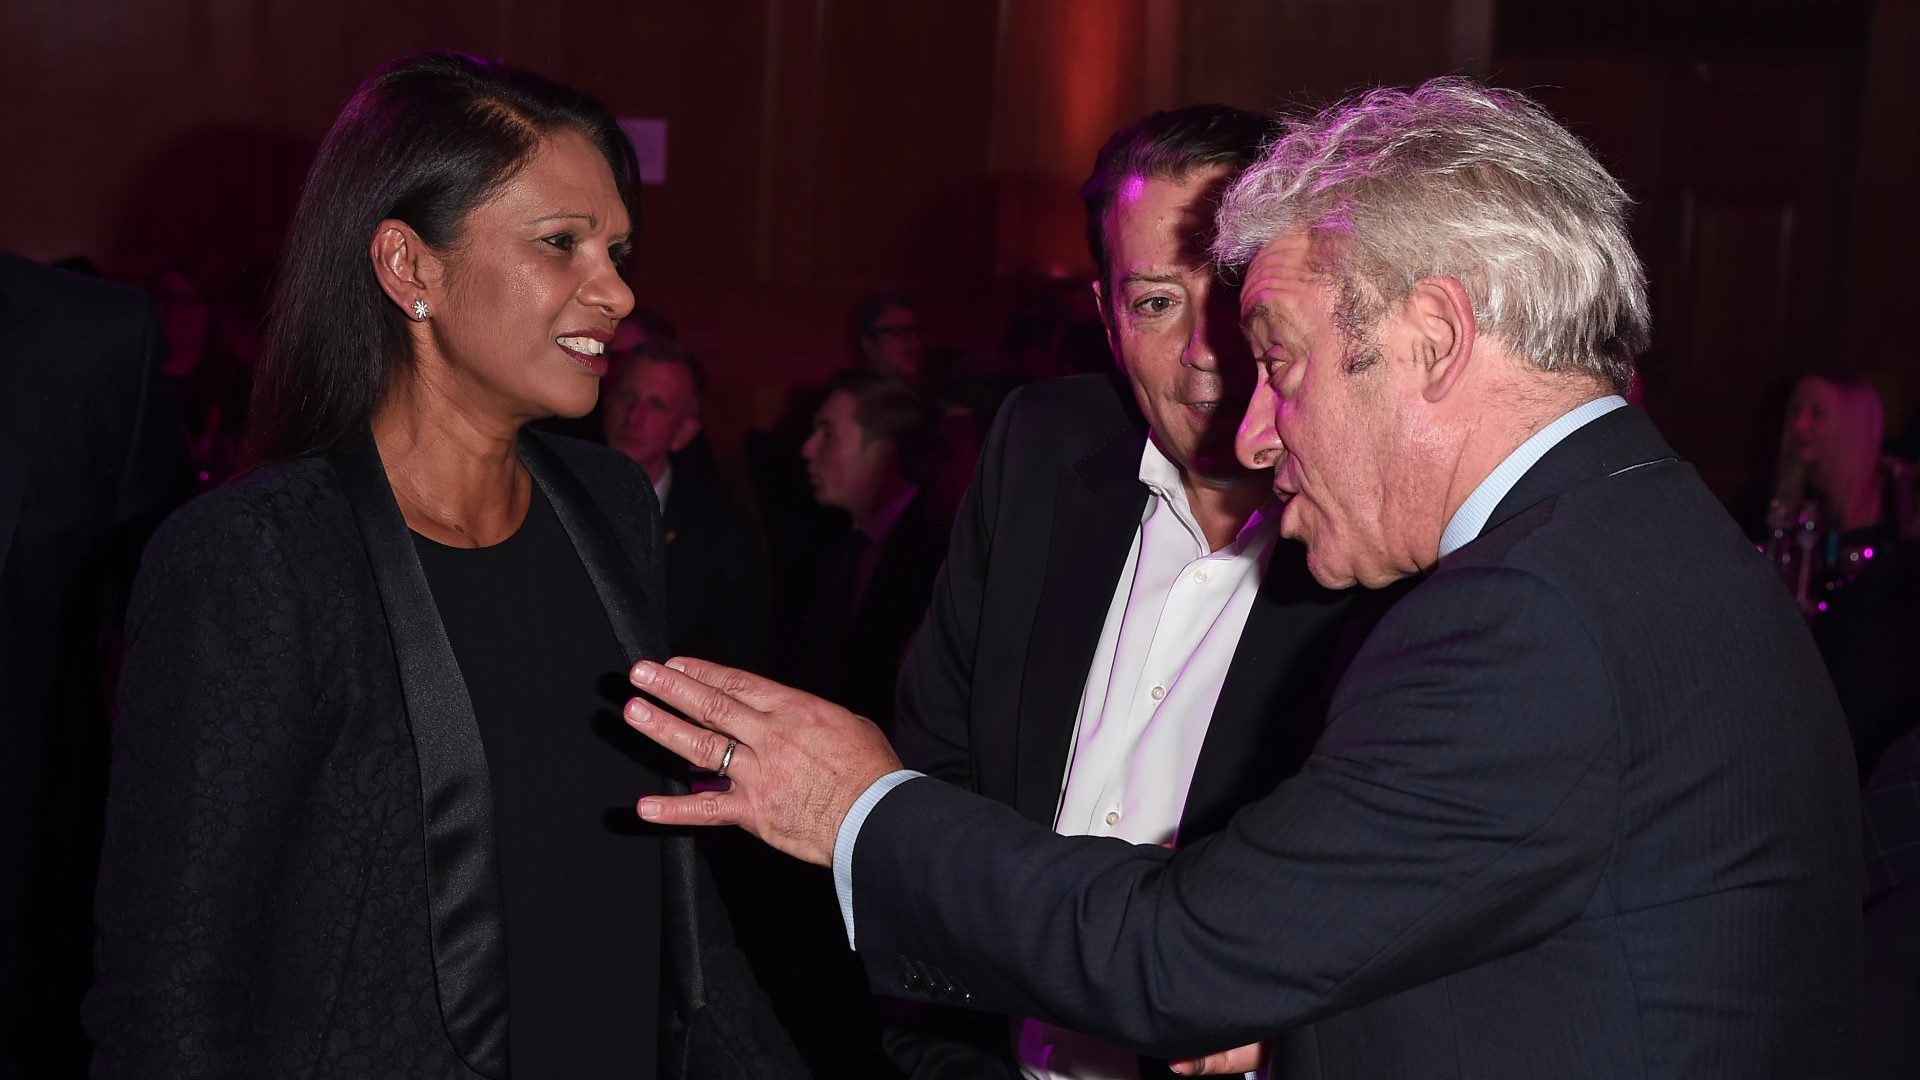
(818, 148)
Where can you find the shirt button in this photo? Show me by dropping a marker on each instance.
(1157, 693)
(1113, 817)
(1200, 576)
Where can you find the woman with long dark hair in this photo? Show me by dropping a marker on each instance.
(370, 803)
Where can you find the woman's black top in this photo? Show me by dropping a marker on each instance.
(580, 878)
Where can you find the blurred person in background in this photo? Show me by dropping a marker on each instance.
(91, 459)
(358, 822)
(864, 458)
(1842, 530)
(886, 341)
(887, 336)
(717, 602)
(1833, 466)
(210, 384)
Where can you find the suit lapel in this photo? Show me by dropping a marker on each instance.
(632, 608)
(456, 790)
(1096, 515)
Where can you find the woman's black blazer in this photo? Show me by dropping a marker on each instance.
(299, 875)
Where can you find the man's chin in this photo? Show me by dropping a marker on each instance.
(1334, 574)
(1330, 578)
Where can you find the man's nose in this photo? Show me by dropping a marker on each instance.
(1257, 443)
(1198, 351)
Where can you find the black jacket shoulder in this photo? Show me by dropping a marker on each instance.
(1078, 411)
(28, 285)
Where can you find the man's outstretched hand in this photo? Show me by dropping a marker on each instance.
(798, 764)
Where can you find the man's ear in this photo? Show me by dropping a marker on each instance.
(405, 266)
(1444, 332)
(1106, 319)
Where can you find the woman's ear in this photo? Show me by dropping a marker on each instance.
(406, 267)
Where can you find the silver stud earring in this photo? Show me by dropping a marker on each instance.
(419, 310)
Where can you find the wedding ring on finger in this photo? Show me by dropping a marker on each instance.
(726, 759)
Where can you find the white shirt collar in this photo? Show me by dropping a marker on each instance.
(663, 485)
(1473, 514)
(1163, 478)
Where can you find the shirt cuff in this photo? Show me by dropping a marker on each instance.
(849, 835)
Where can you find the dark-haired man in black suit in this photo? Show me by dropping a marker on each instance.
(1120, 645)
(91, 457)
(1584, 804)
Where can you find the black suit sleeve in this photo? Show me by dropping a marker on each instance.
(1459, 807)
(212, 742)
(935, 694)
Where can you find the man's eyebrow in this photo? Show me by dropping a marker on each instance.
(1257, 314)
(1162, 277)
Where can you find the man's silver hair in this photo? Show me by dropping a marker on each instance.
(1453, 179)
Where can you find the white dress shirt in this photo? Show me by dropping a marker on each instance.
(1170, 634)
(663, 487)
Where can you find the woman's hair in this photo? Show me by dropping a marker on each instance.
(423, 140)
(1846, 471)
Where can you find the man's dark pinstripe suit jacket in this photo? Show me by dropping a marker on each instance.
(1584, 807)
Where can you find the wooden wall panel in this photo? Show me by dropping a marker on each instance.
(903, 192)
(1309, 52)
(1883, 217)
(1072, 72)
(1747, 294)
(706, 77)
(1737, 163)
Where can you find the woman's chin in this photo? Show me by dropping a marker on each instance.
(570, 409)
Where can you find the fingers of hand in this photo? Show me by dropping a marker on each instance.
(704, 808)
(709, 705)
(1243, 1059)
(760, 693)
(701, 747)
